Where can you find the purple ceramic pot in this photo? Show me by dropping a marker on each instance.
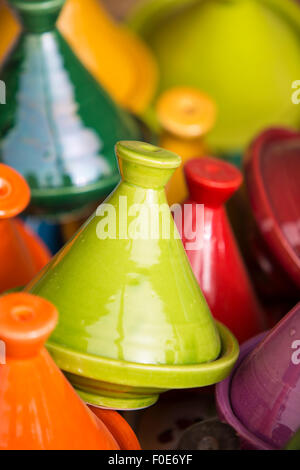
(261, 398)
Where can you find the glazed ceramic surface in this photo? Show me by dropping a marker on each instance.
(272, 177)
(112, 284)
(39, 410)
(22, 253)
(103, 47)
(212, 249)
(186, 115)
(261, 400)
(232, 50)
(59, 126)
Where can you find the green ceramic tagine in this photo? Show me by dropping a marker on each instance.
(244, 53)
(59, 126)
(133, 321)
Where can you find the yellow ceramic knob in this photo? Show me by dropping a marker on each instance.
(103, 47)
(186, 115)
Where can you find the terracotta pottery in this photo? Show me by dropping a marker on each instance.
(212, 249)
(22, 254)
(261, 399)
(272, 177)
(186, 115)
(122, 339)
(59, 126)
(103, 47)
(232, 50)
(38, 407)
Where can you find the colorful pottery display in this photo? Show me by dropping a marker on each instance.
(212, 249)
(103, 47)
(22, 254)
(59, 126)
(38, 407)
(122, 339)
(261, 398)
(232, 50)
(186, 115)
(272, 170)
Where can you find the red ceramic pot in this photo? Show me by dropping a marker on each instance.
(272, 167)
(212, 249)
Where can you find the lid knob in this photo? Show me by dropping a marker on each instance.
(14, 192)
(211, 181)
(146, 165)
(38, 16)
(186, 112)
(26, 322)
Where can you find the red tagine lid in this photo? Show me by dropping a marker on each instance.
(211, 181)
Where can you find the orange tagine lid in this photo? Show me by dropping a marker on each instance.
(22, 253)
(38, 407)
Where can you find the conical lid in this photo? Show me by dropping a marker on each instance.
(38, 407)
(103, 46)
(124, 287)
(22, 254)
(265, 388)
(212, 249)
(59, 126)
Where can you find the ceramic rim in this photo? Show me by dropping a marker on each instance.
(223, 400)
(155, 377)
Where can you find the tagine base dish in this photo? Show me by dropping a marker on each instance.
(121, 387)
(224, 403)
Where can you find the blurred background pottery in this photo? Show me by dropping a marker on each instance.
(261, 398)
(103, 47)
(185, 115)
(9, 28)
(22, 253)
(36, 399)
(121, 338)
(294, 443)
(272, 169)
(232, 50)
(59, 126)
(212, 249)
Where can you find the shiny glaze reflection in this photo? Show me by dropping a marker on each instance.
(265, 390)
(133, 300)
(59, 126)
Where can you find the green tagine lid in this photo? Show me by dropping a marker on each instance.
(133, 321)
(58, 126)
